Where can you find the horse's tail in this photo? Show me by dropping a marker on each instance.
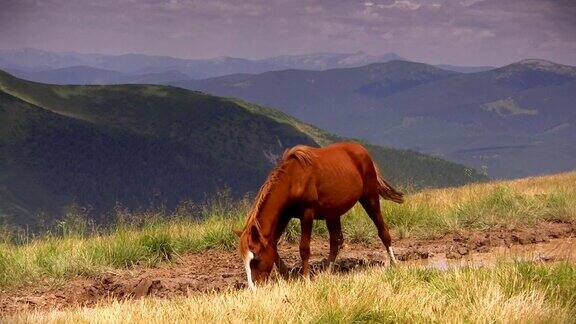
(386, 190)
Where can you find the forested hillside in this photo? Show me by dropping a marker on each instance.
(139, 146)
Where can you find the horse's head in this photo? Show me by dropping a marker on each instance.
(257, 254)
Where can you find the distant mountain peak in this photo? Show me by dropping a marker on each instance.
(537, 62)
(543, 65)
(532, 73)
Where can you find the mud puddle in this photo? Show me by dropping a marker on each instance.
(215, 270)
(563, 249)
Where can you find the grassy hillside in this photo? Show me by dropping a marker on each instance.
(143, 145)
(148, 238)
(513, 121)
(163, 160)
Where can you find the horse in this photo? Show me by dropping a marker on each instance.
(312, 183)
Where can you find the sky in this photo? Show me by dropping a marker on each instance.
(460, 32)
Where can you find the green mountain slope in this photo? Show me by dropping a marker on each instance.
(142, 145)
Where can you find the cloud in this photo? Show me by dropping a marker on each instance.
(438, 31)
(402, 5)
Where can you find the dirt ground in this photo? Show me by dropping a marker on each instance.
(215, 270)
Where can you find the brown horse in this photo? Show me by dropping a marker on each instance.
(312, 183)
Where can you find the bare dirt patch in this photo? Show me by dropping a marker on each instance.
(215, 270)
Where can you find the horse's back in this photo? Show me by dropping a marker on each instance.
(340, 175)
(344, 155)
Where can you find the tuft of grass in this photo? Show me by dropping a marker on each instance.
(510, 292)
(159, 245)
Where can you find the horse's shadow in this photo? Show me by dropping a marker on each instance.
(341, 266)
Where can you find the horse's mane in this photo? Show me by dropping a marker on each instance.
(302, 153)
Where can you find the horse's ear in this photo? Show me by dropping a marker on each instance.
(256, 236)
(237, 232)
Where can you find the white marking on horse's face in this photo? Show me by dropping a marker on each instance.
(249, 256)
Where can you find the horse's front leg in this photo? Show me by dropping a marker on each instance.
(281, 227)
(306, 234)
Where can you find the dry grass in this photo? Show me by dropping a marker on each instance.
(444, 199)
(511, 292)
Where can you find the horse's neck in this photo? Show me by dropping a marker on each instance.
(272, 208)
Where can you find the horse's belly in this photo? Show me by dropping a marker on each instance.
(337, 194)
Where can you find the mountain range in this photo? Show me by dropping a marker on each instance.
(513, 121)
(140, 146)
(75, 68)
(88, 75)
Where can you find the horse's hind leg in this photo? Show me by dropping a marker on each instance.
(372, 207)
(336, 240)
